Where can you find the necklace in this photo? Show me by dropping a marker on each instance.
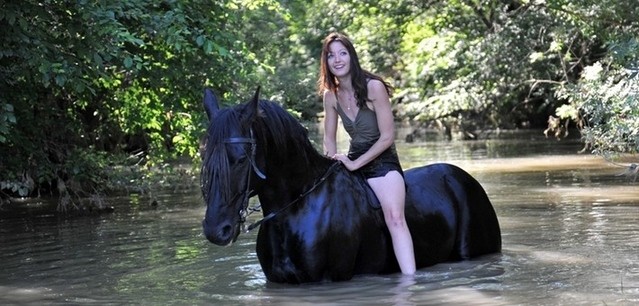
(350, 102)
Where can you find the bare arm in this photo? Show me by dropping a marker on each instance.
(330, 124)
(385, 122)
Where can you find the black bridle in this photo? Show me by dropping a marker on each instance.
(248, 193)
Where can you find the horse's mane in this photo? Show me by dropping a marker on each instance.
(286, 134)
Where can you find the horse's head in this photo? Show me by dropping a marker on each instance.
(229, 168)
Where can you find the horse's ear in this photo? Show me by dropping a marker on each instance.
(256, 97)
(254, 104)
(210, 103)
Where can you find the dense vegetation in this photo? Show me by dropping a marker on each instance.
(96, 93)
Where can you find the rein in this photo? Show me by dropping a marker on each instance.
(272, 215)
(248, 193)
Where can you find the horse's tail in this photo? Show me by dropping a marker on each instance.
(478, 231)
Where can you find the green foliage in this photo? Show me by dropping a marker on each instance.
(117, 77)
(606, 103)
(480, 64)
(603, 101)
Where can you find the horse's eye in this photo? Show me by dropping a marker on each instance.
(239, 160)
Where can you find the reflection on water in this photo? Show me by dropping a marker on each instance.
(569, 224)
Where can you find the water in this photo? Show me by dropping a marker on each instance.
(569, 226)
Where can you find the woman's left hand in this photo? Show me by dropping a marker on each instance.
(349, 164)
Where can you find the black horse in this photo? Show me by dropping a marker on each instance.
(322, 221)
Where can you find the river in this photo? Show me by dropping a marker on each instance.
(569, 224)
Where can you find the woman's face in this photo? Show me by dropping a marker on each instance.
(339, 60)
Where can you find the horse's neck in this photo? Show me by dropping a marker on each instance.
(286, 181)
(298, 173)
(292, 163)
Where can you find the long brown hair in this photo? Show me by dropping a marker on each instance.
(359, 77)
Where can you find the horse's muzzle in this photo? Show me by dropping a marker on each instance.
(220, 234)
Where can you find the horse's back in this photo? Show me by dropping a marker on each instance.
(446, 206)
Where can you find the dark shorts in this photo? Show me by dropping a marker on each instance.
(380, 166)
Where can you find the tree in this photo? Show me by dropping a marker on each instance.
(82, 78)
(603, 101)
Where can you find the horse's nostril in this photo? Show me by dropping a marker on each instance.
(226, 231)
(221, 234)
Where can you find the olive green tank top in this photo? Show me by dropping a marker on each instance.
(364, 128)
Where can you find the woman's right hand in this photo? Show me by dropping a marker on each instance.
(347, 162)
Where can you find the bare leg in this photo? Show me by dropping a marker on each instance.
(391, 192)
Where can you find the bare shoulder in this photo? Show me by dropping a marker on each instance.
(329, 98)
(375, 85)
(377, 91)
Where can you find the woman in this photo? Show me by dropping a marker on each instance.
(361, 99)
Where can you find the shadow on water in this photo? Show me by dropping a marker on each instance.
(569, 226)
